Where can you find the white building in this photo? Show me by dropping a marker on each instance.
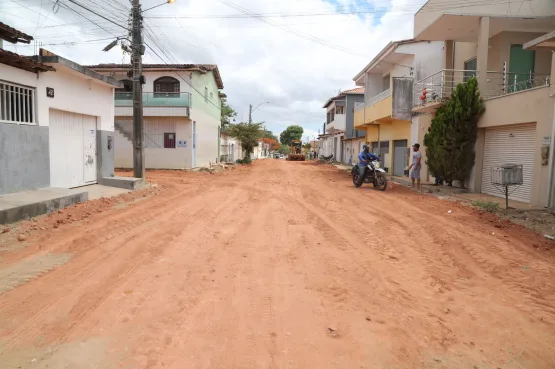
(56, 121)
(181, 109)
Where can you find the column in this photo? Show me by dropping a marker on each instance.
(482, 55)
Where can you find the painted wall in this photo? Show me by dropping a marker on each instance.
(531, 106)
(184, 78)
(379, 110)
(72, 92)
(24, 158)
(157, 157)
(350, 131)
(389, 131)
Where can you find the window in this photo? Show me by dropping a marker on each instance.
(470, 68)
(206, 93)
(340, 110)
(169, 140)
(166, 87)
(211, 96)
(17, 103)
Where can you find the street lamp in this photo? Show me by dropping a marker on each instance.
(156, 6)
(251, 109)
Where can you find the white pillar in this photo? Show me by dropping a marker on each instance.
(482, 54)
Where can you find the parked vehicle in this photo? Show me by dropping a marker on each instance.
(327, 159)
(374, 175)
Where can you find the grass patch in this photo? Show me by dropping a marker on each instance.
(489, 206)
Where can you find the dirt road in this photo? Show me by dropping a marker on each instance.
(282, 265)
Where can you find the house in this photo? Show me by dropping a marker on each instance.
(340, 138)
(486, 41)
(386, 112)
(230, 148)
(56, 121)
(181, 109)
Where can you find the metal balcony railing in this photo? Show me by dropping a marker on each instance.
(155, 99)
(503, 83)
(439, 86)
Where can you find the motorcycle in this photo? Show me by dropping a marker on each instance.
(374, 175)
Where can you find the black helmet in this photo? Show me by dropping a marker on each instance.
(365, 147)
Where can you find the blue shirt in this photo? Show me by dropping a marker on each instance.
(366, 157)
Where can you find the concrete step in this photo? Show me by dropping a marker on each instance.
(27, 204)
(128, 183)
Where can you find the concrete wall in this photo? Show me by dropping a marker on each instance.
(350, 131)
(531, 106)
(24, 158)
(158, 157)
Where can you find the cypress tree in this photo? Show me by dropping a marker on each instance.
(452, 135)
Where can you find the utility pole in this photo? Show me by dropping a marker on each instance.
(136, 61)
(250, 113)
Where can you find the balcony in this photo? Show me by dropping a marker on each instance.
(154, 103)
(173, 99)
(376, 108)
(439, 86)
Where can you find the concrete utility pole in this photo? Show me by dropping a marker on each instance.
(250, 113)
(137, 60)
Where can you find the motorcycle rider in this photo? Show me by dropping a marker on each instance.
(364, 158)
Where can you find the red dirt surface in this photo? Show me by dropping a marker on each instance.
(277, 265)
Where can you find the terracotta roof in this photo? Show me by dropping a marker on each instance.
(352, 91)
(21, 62)
(200, 67)
(12, 35)
(358, 90)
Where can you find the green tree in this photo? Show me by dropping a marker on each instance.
(291, 133)
(452, 135)
(228, 113)
(247, 134)
(284, 149)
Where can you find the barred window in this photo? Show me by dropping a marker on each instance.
(17, 103)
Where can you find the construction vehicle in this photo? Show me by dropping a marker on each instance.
(296, 153)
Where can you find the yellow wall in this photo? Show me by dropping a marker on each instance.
(389, 131)
(381, 109)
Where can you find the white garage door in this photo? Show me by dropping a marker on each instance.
(510, 145)
(72, 149)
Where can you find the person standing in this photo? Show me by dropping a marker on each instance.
(415, 166)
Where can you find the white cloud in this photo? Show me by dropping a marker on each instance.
(258, 61)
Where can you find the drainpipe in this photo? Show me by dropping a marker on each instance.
(551, 159)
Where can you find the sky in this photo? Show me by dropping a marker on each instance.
(295, 54)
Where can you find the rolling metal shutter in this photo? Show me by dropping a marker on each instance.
(510, 145)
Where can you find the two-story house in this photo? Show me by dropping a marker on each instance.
(340, 138)
(386, 113)
(181, 109)
(486, 41)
